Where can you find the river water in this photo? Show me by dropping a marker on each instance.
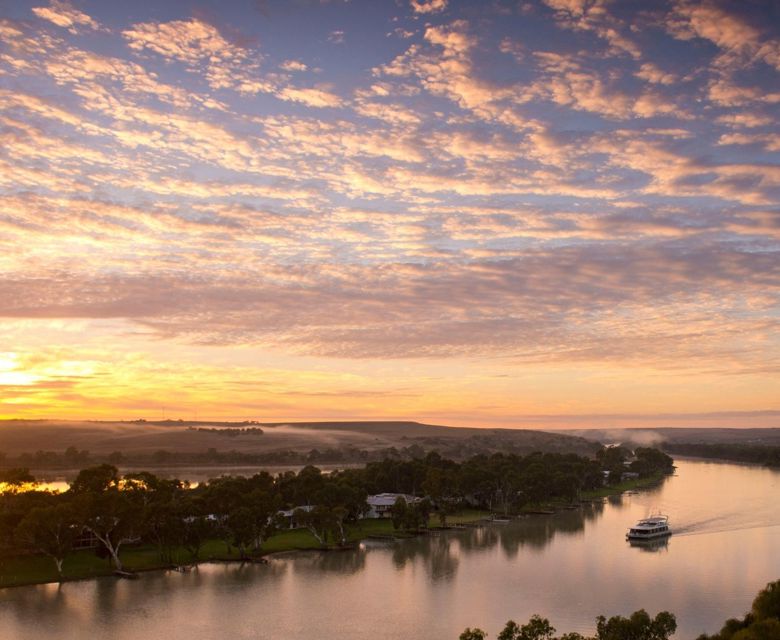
(569, 567)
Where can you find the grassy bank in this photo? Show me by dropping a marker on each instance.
(33, 569)
(627, 485)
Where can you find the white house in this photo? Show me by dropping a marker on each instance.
(379, 506)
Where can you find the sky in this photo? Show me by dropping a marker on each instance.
(512, 214)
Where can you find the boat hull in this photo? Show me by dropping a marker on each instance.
(648, 536)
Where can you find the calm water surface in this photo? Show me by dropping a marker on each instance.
(569, 567)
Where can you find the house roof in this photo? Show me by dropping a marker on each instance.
(388, 499)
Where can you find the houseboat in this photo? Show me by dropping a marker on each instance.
(650, 529)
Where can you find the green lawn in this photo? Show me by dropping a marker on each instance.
(628, 485)
(31, 569)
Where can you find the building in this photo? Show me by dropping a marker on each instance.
(380, 505)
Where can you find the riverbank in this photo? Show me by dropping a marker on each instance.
(84, 564)
(626, 485)
(19, 571)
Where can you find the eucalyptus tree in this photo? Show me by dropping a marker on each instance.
(51, 531)
(196, 526)
(112, 515)
(157, 499)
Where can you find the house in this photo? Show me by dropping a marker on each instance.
(286, 517)
(380, 505)
(86, 540)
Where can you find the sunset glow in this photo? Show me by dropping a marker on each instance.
(557, 213)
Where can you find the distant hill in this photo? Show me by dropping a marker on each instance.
(315, 441)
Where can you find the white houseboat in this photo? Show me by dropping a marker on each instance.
(650, 528)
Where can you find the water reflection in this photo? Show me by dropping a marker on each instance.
(660, 544)
(437, 553)
(346, 561)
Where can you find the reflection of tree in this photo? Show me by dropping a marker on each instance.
(534, 532)
(435, 551)
(478, 538)
(232, 574)
(537, 532)
(443, 563)
(345, 561)
(49, 601)
(106, 594)
(616, 500)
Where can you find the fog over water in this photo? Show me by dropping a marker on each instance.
(569, 567)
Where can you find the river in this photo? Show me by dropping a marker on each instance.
(569, 567)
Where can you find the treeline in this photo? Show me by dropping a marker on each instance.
(243, 512)
(766, 455)
(454, 448)
(231, 432)
(761, 623)
(73, 458)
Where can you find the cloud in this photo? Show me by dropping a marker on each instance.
(741, 43)
(594, 16)
(568, 201)
(428, 6)
(746, 119)
(65, 15)
(336, 36)
(293, 65)
(200, 46)
(769, 142)
(655, 75)
(569, 83)
(312, 97)
(506, 307)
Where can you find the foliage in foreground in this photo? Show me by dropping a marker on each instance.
(761, 623)
(639, 626)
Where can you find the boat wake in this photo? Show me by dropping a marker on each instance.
(719, 524)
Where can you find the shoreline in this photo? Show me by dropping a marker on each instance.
(143, 559)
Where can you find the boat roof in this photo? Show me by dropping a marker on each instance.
(653, 520)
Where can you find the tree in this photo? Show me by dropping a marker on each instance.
(762, 623)
(196, 528)
(398, 512)
(439, 485)
(113, 516)
(766, 629)
(317, 520)
(338, 515)
(767, 602)
(13, 480)
(221, 497)
(51, 531)
(537, 628)
(649, 461)
(242, 526)
(157, 500)
(640, 626)
(253, 521)
(95, 479)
